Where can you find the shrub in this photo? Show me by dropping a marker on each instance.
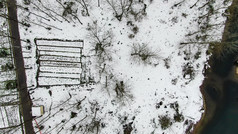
(7, 67)
(11, 84)
(135, 29)
(73, 128)
(120, 7)
(120, 89)
(4, 52)
(175, 106)
(167, 62)
(95, 125)
(68, 9)
(138, 11)
(131, 36)
(127, 128)
(165, 122)
(174, 19)
(178, 117)
(174, 81)
(197, 55)
(188, 71)
(73, 114)
(184, 15)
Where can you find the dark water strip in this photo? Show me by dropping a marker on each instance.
(225, 117)
(225, 120)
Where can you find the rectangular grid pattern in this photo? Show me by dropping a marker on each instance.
(59, 62)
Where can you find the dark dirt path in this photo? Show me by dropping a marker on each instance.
(24, 97)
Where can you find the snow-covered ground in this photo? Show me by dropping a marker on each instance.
(120, 93)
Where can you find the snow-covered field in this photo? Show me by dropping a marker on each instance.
(136, 71)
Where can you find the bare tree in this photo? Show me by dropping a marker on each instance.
(141, 53)
(124, 8)
(68, 10)
(84, 4)
(120, 7)
(101, 42)
(205, 34)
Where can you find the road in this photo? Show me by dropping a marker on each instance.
(24, 97)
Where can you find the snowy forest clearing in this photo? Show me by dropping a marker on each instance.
(139, 70)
